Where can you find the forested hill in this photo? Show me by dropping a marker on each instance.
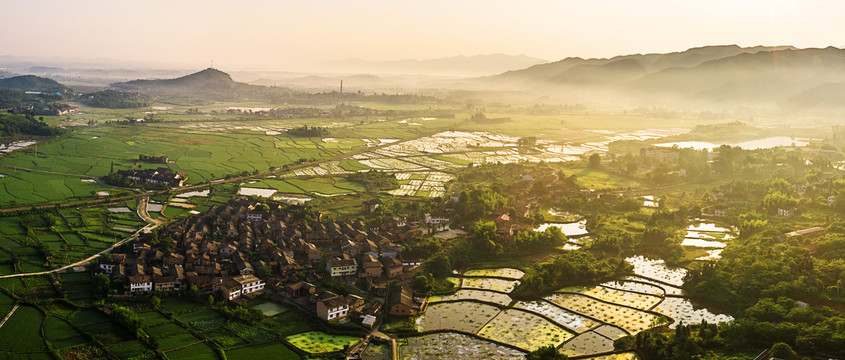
(31, 83)
(16, 124)
(209, 84)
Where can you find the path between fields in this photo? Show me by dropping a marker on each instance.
(8, 315)
(143, 213)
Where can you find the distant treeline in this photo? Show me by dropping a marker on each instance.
(312, 131)
(16, 124)
(483, 119)
(114, 99)
(158, 159)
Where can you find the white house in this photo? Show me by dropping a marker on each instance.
(831, 200)
(341, 266)
(249, 284)
(332, 308)
(720, 211)
(786, 212)
(140, 283)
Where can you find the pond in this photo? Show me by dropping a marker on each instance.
(766, 143)
(16, 145)
(256, 192)
(569, 229)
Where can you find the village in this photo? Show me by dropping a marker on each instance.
(247, 248)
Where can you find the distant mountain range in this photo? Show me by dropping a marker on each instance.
(724, 76)
(31, 83)
(476, 65)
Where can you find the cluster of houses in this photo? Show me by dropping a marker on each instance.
(244, 247)
(160, 176)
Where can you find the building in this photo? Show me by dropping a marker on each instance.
(167, 283)
(249, 284)
(661, 155)
(392, 266)
(787, 212)
(341, 266)
(333, 308)
(831, 200)
(160, 176)
(401, 302)
(140, 283)
(370, 266)
(720, 211)
(230, 288)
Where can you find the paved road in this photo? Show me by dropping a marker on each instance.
(8, 315)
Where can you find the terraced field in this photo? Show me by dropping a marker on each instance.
(524, 330)
(630, 320)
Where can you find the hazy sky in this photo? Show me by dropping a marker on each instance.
(290, 35)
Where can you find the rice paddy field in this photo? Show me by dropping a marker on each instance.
(489, 284)
(470, 294)
(40, 242)
(453, 346)
(26, 188)
(508, 273)
(524, 330)
(631, 320)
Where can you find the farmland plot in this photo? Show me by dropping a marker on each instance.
(634, 286)
(610, 332)
(490, 284)
(682, 310)
(639, 301)
(524, 330)
(586, 344)
(316, 342)
(668, 289)
(454, 346)
(268, 351)
(657, 270)
(622, 356)
(508, 273)
(630, 320)
(464, 316)
(470, 294)
(568, 319)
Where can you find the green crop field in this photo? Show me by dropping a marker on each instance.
(317, 342)
(266, 351)
(21, 188)
(22, 332)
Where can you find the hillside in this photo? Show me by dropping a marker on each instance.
(31, 83)
(723, 76)
(208, 82)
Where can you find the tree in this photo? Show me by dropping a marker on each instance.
(595, 161)
(782, 351)
(102, 283)
(439, 265)
(546, 353)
